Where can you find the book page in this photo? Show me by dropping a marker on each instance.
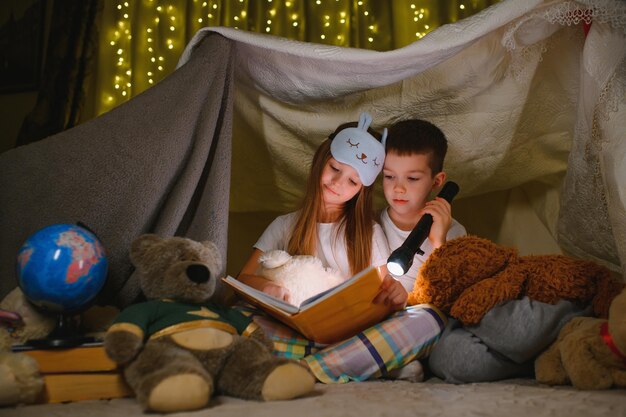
(329, 292)
(261, 296)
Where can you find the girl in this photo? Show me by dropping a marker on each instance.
(336, 221)
(336, 224)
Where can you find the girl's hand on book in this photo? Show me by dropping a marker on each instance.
(276, 291)
(392, 293)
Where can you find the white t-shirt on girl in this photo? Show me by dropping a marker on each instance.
(396, 237)
(331, 247)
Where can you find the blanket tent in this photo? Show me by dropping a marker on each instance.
(534, 109)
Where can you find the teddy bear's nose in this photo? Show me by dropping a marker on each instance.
(198, 273)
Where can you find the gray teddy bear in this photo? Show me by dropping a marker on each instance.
(179, 348)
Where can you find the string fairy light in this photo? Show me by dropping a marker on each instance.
(161, 29)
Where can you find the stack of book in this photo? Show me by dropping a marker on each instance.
(78, 373)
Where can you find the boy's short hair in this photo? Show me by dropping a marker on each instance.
(416, 136)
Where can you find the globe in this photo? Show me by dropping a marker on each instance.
(62, 268)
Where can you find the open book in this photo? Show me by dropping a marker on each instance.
(328, 317)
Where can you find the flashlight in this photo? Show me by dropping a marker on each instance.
(401, 259)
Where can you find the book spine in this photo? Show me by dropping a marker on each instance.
(60, 388)
(89, 359)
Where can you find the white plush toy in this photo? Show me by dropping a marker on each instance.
(303, 275)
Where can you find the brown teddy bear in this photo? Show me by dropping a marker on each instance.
(179, 348)
(589, 352)
(468, 276)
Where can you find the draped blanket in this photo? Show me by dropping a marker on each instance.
(159, 163)
(527, 99)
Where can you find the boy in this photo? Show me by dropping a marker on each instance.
(413, 168)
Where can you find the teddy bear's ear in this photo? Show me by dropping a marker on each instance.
(141, 246)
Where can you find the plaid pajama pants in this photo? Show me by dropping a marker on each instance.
(406, 335)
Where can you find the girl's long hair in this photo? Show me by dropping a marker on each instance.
(357, 218)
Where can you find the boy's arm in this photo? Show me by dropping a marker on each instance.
(441, 211)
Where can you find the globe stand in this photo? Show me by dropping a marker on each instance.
(66, 334)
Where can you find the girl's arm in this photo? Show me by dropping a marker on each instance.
(248, 277)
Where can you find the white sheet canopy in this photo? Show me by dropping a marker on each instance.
(526, 100)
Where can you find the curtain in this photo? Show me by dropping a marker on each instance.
(70, 59)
